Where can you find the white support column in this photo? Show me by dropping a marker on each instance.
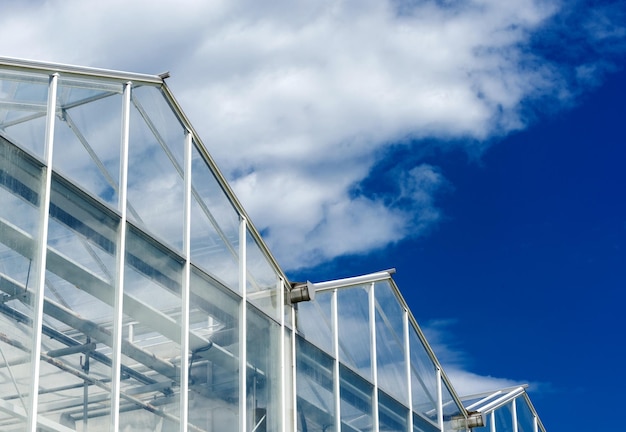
(373, 357)
(514, 414)
(283, 367)
(492, 417)
(407, 364)
(336, 378)
(119, 264)
(40, 260)
(185, 289)
(439, 399)
(243, 330)
(535, 424)
(294, 373)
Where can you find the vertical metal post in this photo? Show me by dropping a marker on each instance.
(336, 378)
(294, 372)
(185, 289)
(243, 330)
(283, 367)
(407, 364)
(439, 399)
(41, 250)
(514, 414)
(373, 357)
(493, 421)
(535, 424)
(119, 263)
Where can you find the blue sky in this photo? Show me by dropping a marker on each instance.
(474, 145)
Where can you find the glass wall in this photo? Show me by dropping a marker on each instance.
(122, 257)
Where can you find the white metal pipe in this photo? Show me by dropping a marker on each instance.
(336, 377)
(439, 399)
(185, 288)
(373, 356)
(493, 421)
(243, 330)
(40, 261)
(357, 280)
(407, 365)
(120, 264)
(502, 400)
(514, 414)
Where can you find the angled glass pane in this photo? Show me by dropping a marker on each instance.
(390, 352)
(151, 334)
(214, 225)
(21, 180)
(356, 402)
(314, 379)
(155, 177)
(451, 411)
(214, 367)
(525, 417)
(87, 136)
(354, 329)
(504, 418)
(23, 106)
(262, 280)
(314, 320)
(423, 379)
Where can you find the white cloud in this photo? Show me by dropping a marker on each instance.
(297, 101)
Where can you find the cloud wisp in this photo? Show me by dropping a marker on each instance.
(298, 101)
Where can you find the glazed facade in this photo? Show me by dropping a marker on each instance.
(135, 294)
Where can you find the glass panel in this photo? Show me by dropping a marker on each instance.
(451, 411)
(354, 329)
(151, 335)
(390, 343)
(23, 107)
(87, 136)
(504, 418)
(356, 401)
(213, 368)
(314, 379)
(75, 372)
(262, 280)
(391, 414)
(155, 178)
(525, 417)
(214, 226)
(20, 183)
(314, 320)
(423, 378)
(420, 424)
(263, 379)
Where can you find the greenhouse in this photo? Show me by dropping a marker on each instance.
(136, 294)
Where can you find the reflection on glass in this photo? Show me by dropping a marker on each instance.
(390, 350)
(263, 374)
(20, 183)
(214, 225)
(23, 106)
(262, 279)
(423, 379)
(525, 417)
(504, 418)
(155, 181)
(451, 410)
(391, 414)
(354, 330)
(356, 401)
(151, 335)
(87, 136)
(214, 356)
(313, 320)
(314, 379)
